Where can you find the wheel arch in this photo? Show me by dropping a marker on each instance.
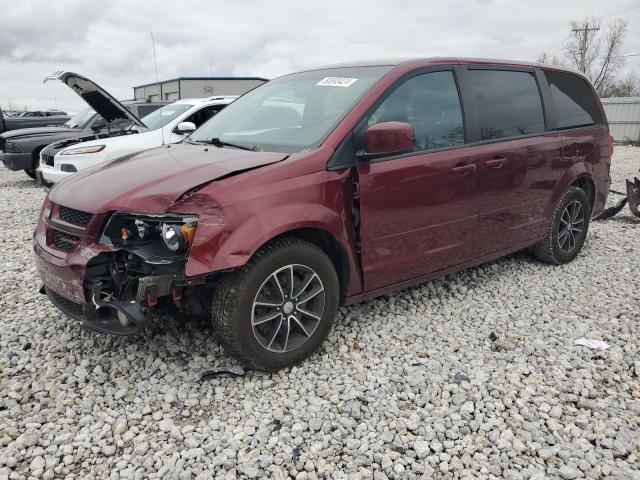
(324, 240)
(328, 231)
(579, 175)
(587, 184)
(35, 155)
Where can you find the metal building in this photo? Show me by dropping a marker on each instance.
(195, 87)
(623, 114)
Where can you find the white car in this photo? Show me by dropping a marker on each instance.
(169, 124)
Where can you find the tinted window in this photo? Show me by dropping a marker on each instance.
(574, 103)
(430, 103)
(202, 115)
(508, 103)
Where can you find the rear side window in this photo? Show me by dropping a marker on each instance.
(431, 104)
(574, 103)
(508, 103)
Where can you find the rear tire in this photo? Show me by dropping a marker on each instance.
(276, 310)
(568, 229)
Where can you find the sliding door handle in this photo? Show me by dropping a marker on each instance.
(496, 162)
(464, 168)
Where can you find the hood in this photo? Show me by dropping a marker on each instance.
(37, 132)
(88, 139)
(121, 138)
(151, 181)
(99, 99)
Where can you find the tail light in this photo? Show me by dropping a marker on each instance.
(610, 146)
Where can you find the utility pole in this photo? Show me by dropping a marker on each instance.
(583, 47)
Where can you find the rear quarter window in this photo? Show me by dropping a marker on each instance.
(508, 103)
(574, 102)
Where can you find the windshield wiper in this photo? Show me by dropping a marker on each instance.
(219, 143)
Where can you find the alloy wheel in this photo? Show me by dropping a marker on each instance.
(571, 226)
(287, 308)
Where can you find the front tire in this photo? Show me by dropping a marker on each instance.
(276, 310)
(568, 230)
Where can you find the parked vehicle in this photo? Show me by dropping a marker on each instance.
(41, 113)
(32, 119)
(327, 187)
(169, 124)
(20, 149)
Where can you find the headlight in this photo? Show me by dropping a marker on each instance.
(11, 147)
(173, 232)
(80, 150)
(172, 237)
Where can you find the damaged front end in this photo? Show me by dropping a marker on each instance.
(137, 276)
(632, 198)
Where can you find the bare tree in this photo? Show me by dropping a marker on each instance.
(544, 57)
(629, 86)
(603, 55)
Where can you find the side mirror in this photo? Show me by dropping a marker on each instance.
(388, 138)
(186, 128)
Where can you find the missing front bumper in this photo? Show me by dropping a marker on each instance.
(115, 318)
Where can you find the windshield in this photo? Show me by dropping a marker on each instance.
(164, 115)
(291, 113)
(81, 119)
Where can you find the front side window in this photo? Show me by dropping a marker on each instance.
(508, 103)
(291, 113)
(574, 103)
(431, 105)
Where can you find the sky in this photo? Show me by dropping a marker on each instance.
(110, 42)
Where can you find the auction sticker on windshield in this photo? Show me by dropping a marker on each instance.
(337, 82)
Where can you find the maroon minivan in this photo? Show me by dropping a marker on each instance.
(324, 188)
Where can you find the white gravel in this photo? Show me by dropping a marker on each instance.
(407, 386)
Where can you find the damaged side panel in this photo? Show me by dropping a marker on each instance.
(237, 217)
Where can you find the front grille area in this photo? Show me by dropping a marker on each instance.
(76, 217)
(64, 241)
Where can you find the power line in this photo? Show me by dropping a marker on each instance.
(551, 46)
(583, 45)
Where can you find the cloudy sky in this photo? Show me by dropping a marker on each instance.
(110, 42)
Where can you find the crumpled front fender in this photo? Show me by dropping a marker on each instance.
(222, 246)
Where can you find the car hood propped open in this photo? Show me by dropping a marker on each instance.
(96, 97)
(149, 182)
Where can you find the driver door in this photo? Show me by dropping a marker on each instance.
(415, 208)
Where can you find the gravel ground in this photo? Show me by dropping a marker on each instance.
(409, 385)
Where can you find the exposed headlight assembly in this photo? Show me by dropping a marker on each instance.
(81, 150)
(174, 232)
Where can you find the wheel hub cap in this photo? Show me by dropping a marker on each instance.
(571, 226)
(287, 308)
